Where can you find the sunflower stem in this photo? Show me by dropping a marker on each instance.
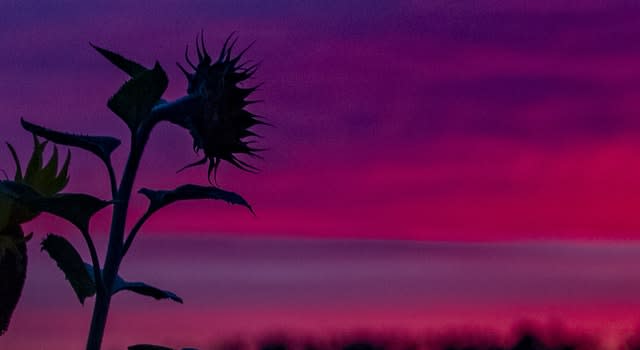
(134, 231)
(117, 247)
(180, 112)
(95, 261)
(116, 236)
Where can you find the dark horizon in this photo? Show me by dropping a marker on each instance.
(250, 287)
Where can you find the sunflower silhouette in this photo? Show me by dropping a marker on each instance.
(220, 124)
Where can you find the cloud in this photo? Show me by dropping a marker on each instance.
(237, 286)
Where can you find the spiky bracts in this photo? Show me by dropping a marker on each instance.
(220, 125)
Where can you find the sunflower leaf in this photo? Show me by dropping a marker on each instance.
(137, 287)
(70, 262)
(159, 199)
(13, 268)
(128, 66)
(8, 244)
(144, 289)
(15, 195)
(135, 99)
(77, 208)
(101, 146)
(148, 347)
(5, 211)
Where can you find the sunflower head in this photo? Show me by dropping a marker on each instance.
(220, 124)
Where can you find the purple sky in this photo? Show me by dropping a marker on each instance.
(477, 120)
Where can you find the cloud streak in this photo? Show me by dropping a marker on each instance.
(253, 286)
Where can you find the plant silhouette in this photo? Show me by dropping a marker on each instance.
(13, 249)
(212, 111)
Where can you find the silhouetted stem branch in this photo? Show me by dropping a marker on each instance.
(112, 180)
(134, 231)
(95, 261)
(172, 111)
(115, 250)
(168, 111)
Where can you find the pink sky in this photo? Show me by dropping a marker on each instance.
(474, 121)
(466, 121)
(250, 287)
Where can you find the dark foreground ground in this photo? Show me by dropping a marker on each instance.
(521, 339)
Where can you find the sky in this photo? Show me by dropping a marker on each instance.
(433, 121)
(464, 121)
(250, 287)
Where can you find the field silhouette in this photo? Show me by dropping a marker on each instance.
(521, 338)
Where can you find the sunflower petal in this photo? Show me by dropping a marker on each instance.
(16, 160)
(190, 165)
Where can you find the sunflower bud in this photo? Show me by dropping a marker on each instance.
(47, 181)
(220, 124)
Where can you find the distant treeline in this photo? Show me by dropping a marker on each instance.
(530, 338)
